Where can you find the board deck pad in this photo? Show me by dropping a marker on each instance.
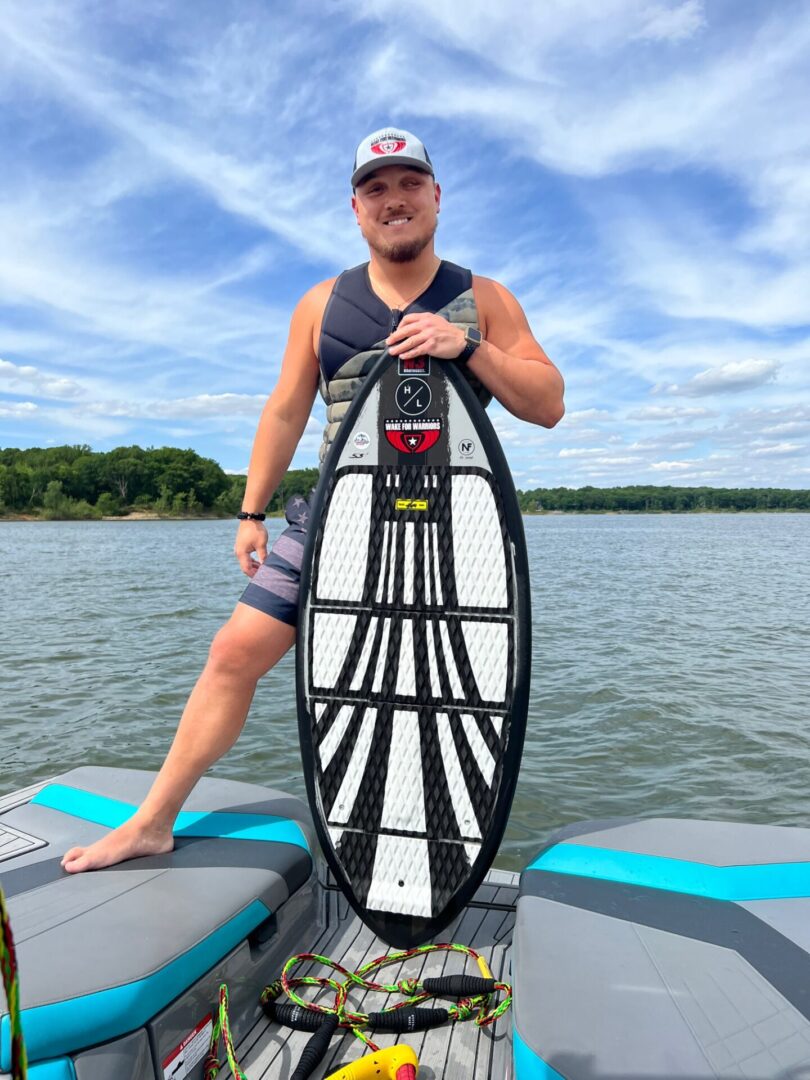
(413, 654)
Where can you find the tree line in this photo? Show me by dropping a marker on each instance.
(639, 498)
(76, 482)
(61, 482)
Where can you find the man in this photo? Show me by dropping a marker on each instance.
(416, 304)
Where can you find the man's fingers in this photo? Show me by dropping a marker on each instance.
(261, 551)
(406, 327)
(416, 345)
(246, 563)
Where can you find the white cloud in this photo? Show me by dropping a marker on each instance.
(579, 416)
(728, 378)
(668, 412)
(198, 119)
(673, 24)
(25, 379)
(672, 466)
(790, 427)
(782, 448)
(18, 410)
(580, 451)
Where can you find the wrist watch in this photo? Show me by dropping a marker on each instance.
(472, 339)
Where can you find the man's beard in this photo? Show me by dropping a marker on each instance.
(402, 251)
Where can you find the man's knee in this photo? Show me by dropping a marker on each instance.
(248, 651)
(229, 653)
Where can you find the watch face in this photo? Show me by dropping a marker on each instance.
(473, 335)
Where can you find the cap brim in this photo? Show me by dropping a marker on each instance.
(369, 167)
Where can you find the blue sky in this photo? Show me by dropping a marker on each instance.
(174, 176)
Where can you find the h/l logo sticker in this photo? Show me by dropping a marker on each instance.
(413, 397)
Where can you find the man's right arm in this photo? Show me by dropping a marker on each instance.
(282, 423)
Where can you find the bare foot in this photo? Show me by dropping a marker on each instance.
(128, 841)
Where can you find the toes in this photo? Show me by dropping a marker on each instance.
(76, 864)
(69, 856)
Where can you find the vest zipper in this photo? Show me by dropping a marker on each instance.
(396, 315)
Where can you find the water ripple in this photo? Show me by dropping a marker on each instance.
(670, 660)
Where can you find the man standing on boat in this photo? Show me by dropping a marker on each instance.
(416, 304)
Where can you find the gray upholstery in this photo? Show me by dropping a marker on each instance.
(83, 934)
(621, 980)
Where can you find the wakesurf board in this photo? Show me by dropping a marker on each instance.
(413, 656)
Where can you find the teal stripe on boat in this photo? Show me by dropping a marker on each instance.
(215, 823)
(67, 1026)
(768, 881)
(528, 1065)
(52, 1070)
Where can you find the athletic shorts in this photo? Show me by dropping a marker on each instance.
(273, 589)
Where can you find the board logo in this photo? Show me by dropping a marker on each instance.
(466, 447)
(411, 504)
(415, 365)
(390, 143)
(361, 441)
(413, 397)
(413, 436)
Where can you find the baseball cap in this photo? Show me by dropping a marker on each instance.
(389, 146)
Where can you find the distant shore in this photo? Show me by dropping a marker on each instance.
(145, 515)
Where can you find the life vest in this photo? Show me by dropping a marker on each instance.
(356, 323)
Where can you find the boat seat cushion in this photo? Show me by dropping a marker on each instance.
(664, 948)
(102, 952)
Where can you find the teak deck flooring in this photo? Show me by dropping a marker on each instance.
(456, 1051)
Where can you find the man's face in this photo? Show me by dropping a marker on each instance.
(396, 210)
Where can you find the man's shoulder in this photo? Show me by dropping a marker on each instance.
(319, 293)
(312, 304)
(490, 295)
(488, 287)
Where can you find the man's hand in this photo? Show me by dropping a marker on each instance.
(425, 334)
(252, 536)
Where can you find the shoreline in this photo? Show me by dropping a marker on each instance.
(142, 515)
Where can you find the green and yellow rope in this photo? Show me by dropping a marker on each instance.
(11, 985)
(476, 1008)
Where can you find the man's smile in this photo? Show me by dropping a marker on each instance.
(397, 221)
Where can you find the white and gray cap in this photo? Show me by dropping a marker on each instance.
(389, 146)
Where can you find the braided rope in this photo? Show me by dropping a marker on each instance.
(475, 1008)
(222, 1030)
(11, 985)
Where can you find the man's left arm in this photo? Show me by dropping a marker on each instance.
(509, 361)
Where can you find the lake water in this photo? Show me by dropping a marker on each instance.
(670, 671)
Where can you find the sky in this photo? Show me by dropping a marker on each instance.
(173, 177)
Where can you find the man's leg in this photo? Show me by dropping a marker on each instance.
(246, 647)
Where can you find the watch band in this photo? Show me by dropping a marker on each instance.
(473, 339)
(243, 515)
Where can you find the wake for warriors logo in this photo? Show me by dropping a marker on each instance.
(390, 143)
(413, 436)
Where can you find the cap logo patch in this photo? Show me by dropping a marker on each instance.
(388, 146)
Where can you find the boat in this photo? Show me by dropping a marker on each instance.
(660, 948)
(120, 968)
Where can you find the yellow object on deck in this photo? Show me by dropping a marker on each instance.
(394, 1063)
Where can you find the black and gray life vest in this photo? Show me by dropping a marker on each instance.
(356, 323)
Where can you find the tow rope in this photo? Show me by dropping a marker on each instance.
(11, 986)
(474, 994)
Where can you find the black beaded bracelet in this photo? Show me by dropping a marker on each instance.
(243, 515)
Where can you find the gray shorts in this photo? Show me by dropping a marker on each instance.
(273, 589)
